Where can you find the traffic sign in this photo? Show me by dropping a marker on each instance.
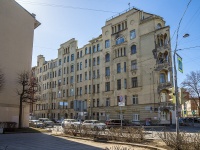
(121, 101)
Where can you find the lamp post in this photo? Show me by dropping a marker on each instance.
(176, 84)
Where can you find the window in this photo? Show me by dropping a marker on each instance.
(107, 43)
(72, 79)
(80, 90)
(120, 40)
(90, 50)
(107, 101)
(64, 59)
(85, 89)
(81, 54)
(119, 84)
(133, 64)
(89, 89)
(80, 77)
(94, 49)
(107, 57)
(93, 102)
(59, 62)
(135, 99)
(158, 26)
(93, 88)
(59, 72)
(77, 66)
(86, 76)
(89, 62)
(77, 54)
(98, 47)
(64, 71)
(89, 75)
(133, 49)
(72, 68)
(98, 74)
(136, 117)
(80, 65)
(76, 91)
(59, 82)
(86, 63)
(86, 50)
(124, 66)
(125, 84)
(107, 86)
(118, 68)
(71, 92)
(94, 61)
(134, 82)
(107, 71)
(132, 34)
(98, 88)
(162, 78)
(98, 60)
(67, 58)
(77, 78)
(94, 76)
(72, 57)
(97, 102)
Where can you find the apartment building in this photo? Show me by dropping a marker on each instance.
(17, 27)
(129, 63)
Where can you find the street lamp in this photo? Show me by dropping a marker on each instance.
(176, 84)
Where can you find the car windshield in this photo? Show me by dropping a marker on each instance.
(73, 120)
(97, 122)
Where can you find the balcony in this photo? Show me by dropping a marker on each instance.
(163, 86)
(164, 65)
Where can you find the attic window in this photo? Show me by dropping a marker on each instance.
(158, 26)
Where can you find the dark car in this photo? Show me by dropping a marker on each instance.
(116, 123)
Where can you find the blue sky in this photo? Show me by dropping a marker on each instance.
(65, 19)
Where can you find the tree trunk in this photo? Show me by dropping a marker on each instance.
(20, 113)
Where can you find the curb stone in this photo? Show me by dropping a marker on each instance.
(113, 142)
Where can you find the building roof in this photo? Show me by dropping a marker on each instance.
(36, 23)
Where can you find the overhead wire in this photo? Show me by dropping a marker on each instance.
(64, 6)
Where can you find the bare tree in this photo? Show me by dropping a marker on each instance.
(27, 87)
(2, 80)
(192, 84)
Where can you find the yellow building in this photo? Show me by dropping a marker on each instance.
(129, 62)
(16, 41)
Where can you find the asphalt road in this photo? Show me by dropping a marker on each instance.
(40, 141)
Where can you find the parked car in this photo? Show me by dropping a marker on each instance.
(46, 122)
(70, 123)
(137, 123)
(117, 123)
(35, 123)
(94, 124)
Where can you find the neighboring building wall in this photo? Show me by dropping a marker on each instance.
(132, 60)
(16, 42)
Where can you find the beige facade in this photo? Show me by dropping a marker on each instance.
(16, 42)
(130, 61)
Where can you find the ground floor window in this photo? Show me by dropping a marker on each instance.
(136, 117)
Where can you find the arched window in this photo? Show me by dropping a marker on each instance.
(120, 40)
(166, 56)
(107, 57)
(158, 26)
(133, 49)
(165, 39)
(162, 78)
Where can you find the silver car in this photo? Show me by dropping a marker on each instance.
(70, 123)
(93, 124)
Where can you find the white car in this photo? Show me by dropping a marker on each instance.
(70, 123)
(94, 124)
